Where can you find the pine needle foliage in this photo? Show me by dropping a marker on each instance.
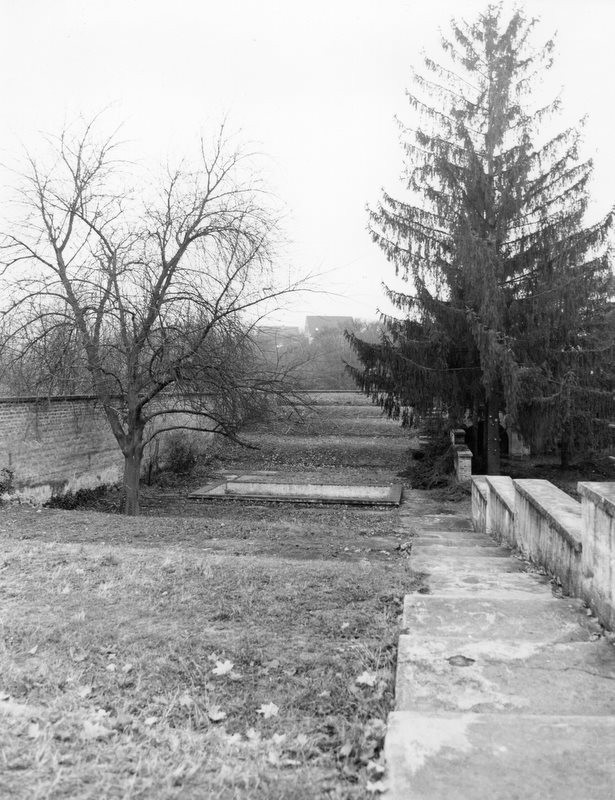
(508, 287)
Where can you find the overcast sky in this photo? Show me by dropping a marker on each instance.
(314, 86)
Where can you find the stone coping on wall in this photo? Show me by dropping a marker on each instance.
(53, 398)
(560, 509)
(503, 486)
(480, 482)
(602, 494)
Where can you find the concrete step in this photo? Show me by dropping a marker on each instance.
(536, 619)
(468, 564)
(434, 756)
(491, 675)
(445, 522)
(464, 538)
(458, 550)
(480, 583)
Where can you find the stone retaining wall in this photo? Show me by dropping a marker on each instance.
(56, 445)
(63, 444)
(574, 542)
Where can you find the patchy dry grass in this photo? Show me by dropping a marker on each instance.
(108, 686)
(207, 650)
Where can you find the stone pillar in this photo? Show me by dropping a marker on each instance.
(462, 456)
(598, 556)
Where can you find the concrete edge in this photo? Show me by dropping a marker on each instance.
(595, 491)
(496, 482)
(572, 537)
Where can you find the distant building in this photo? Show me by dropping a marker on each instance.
(318, 324)
(279, 335)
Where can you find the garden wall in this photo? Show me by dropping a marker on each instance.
(574, 542)
(62, 444)
(56, 445)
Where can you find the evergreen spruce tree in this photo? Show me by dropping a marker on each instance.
(509, 287)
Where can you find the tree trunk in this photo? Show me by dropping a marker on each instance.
(564, 451)
(493, 436)
(130, 488)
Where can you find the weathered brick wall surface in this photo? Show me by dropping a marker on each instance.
(57, 445)
(60, 445)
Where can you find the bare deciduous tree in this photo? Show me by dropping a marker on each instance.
(159, 288)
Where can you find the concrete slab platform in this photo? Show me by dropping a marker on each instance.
(490, 675)
(535, 619)
(499, 757)
(458, 551)
(299, 492)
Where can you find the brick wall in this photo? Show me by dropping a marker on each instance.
(63, 444)
(57, 445)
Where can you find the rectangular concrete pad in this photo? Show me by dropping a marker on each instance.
(541, 619)
(300, 492)
(491, 676)
(499, 757)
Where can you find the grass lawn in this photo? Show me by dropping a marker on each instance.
(207, 656)
(207, 650)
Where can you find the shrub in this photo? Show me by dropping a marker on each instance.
(6, 480)
(180, 455)
(435, 466)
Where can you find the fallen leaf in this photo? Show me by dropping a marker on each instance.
(127, 668)
(150, 721)
(65, 589)
(223, 667)
(77, 656)
(84, 691)
(268, 710)
(366, 679)
(32, 652)
(111, 667)
(93, 730)
(460, 661)
(216, 714)
(33, 730)
(345, 750)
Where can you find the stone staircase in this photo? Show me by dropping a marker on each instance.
(504, 690)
